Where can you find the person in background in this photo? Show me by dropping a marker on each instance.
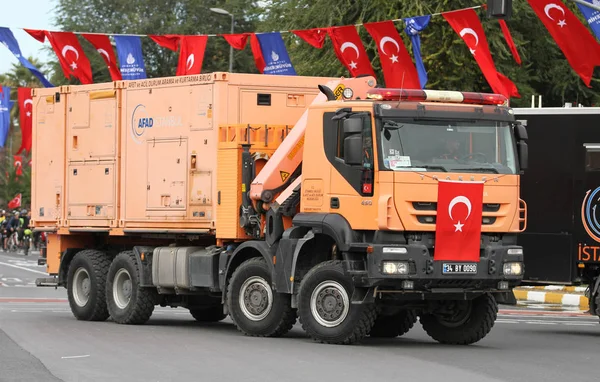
(11, 227)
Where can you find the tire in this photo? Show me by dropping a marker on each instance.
(128, 302)
(208, 314)
(86, 285)
(394, 325)
(253, 280)
(470, 329)
(346, 325)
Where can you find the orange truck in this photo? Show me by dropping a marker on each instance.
(273, 198)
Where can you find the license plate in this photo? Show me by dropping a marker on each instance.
(459, 268)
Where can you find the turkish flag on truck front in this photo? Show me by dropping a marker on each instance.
(458, 222)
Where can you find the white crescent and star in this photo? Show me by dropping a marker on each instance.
(68, 48)
(459, 200)
(385, 40)
(28, 102)
(470, 31)
(550, 6)
(190, 61)
(345, 45)
(104, 53)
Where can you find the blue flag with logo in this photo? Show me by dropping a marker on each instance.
(8, 40)
(131, 61)
(275, 54)
(5, 105)
(592, 16)
(415, 25)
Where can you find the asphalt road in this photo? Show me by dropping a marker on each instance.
(41, 341)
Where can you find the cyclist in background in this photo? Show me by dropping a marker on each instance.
(12, 226)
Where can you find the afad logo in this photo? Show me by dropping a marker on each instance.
(591, 224)
(140, 122)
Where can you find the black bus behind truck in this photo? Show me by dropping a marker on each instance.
(562, 190)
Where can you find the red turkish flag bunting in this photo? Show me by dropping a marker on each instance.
(315, 37)
(25, 118)
(572, 37)
(169, 41)
(191, 55)
(398, 68)
(259, 60)
(350, 50)
(70, 54)
(18, 164)
(509, 41)
(103, 46)
(237, 41)
(39, 35)
(467, 25)
(458, 221)
(15, 203)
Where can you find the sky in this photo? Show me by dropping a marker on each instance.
(31, 14)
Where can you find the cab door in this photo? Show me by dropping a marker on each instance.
(351, 152)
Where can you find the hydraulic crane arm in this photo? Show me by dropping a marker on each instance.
(284, 166)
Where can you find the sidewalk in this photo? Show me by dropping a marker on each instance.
(559, 295)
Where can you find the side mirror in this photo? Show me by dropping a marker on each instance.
(353, 126)
(523, 154)
(521, 131)
(353, 147)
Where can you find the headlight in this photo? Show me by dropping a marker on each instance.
(347, 93)
(515, 251)
(395, 267)
(513, 268)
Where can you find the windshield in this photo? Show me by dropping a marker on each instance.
(452, 146)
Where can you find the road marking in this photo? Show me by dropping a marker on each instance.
(75, 356)
(31, 299)
(24, 269)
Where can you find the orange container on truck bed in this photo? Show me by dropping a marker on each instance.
(131, 157)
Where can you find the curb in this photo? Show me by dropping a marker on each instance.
(566, 299)
(556, 288)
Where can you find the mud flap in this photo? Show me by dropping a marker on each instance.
(363, 296)
(505, 298)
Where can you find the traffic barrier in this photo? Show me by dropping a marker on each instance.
(552, 297)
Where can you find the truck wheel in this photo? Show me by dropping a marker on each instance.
(256, 310)
(394, 325)
(86, 285)
(325, 310)
(208, 314)
(470, 322)
(128, 302)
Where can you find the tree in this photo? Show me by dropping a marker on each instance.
(545, 70)
(158, 17)
(18, 76)
(11, 184)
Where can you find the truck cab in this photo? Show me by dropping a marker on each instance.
(362, 243)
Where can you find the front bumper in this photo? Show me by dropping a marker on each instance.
(427, 275)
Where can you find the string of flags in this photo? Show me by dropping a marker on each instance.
(576, 42)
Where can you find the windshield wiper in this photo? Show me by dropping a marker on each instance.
(492, 169)
(426, 166)
(388, 124)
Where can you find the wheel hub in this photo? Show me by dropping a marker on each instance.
(329, 304)
(122, 288)
(256, 298)
(81, 287)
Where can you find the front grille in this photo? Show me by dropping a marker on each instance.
(432, 206)
(430, 219)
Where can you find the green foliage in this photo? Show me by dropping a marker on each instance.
(544, 71)
(18, 76)
(158, 17)
(11, 184)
